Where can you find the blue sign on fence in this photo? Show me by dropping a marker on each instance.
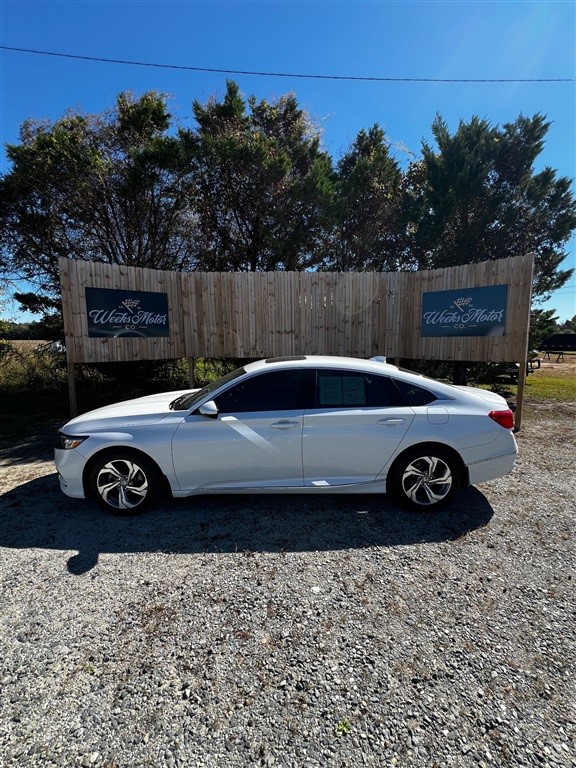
(465, 312)
(117, 313)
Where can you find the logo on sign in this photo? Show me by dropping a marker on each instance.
(117, 313)
(470, 312)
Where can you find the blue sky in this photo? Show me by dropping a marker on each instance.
(422, 39)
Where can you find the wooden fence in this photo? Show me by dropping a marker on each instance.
(266, 314)
(271, 314)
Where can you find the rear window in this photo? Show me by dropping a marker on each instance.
(415, 395)
(345, 389)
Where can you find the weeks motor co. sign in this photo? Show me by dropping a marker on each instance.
(465, 312)
(116, 313)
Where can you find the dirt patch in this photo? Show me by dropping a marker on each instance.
(563, 370)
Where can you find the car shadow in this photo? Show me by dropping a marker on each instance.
(36, 448)
(37, 515)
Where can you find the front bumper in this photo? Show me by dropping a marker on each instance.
(70, 467)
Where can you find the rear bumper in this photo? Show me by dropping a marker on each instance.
(491, 469)
(70, 468)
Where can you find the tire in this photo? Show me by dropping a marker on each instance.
(124, 483)
(424, 478)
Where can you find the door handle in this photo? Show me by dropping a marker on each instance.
(391, 422)
(285, 424)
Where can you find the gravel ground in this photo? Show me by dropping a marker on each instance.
(284, 631)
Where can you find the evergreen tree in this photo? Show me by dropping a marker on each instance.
(476, 197)
(112, 188)
(263, 184)
(366, 207)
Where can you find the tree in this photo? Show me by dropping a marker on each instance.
(366, 207)
(568, 326)
(51, 324)
(263, 184)
(543, 323)
(476, 197)
(111, 188)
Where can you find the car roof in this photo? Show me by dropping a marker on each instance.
(350, 363)
(319, 361)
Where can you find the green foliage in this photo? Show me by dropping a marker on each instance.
(126, 380)
(343, 727)
(34, 385)
(210, 369)
(50, 327)
(110, 187)
(36, 304)
(366, 208)
(543, 323)
(263, 184)
(30, 371)
(569, 326)
(36, 330)
(475, 197)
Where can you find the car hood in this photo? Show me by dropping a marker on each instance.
(141, 410)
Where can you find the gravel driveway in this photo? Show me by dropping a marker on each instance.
(284, 631)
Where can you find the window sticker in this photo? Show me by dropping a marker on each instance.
(353, 391)
(342, 390)
(330, 390)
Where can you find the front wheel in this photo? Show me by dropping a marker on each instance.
(424, 478)
(124, 484)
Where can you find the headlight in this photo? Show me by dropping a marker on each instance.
(71, 442)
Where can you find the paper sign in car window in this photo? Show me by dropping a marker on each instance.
(353, 392)
(330, 390)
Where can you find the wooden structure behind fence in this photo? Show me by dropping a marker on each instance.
(245, 314)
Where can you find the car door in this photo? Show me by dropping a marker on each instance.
(357, 423)
(256, 439)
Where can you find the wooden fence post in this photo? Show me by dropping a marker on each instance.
(527, 275)
(520, 397)
(191, 372)
(72, 389)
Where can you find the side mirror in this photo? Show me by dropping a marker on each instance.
(209, 409)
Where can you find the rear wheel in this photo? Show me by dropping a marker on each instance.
(123, 483)
(424, 478)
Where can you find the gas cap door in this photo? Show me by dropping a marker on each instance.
(437, 415)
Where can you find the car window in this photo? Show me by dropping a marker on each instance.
(187, 401)
(288, 390)
(415, 395)
(346, 389)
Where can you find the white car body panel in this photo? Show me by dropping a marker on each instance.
(341, 447)
(491, 469)
(243, 450)
(319, 450)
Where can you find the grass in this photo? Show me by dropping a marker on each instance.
(343, 727)
(555, 388)
(554, 382)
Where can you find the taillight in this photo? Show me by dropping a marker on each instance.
(504, 418)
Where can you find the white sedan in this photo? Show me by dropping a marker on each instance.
(292, 425)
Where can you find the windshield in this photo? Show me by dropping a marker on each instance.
(188, 401)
